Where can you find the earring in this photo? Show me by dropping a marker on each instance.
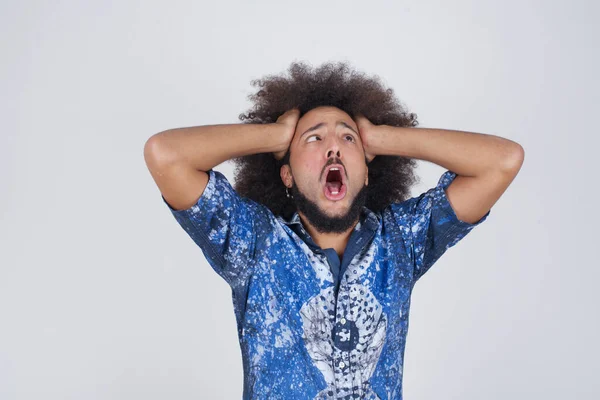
(288, 193)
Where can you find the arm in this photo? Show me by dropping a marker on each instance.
(224, 225)
(178, 159)
(485, 164)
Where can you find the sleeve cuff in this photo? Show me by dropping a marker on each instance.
(205, 196)
(445, 181)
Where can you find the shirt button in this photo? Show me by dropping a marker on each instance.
(343, 321)
(341, 364)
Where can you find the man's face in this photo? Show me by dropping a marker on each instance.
(312, 153)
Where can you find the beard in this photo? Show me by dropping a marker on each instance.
(324, 223)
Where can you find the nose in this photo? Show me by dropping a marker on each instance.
(333, 152)
(333, 148)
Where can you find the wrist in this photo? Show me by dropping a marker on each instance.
(279, 137)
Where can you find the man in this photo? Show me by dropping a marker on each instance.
(322, 298)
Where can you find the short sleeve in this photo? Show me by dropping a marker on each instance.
(432, 225)
(222, 224)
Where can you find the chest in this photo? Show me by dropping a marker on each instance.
(296, 291)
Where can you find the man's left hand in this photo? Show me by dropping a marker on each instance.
(366, 130)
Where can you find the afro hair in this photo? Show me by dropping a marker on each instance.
(332, 84)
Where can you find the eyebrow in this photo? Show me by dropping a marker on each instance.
(320, 124)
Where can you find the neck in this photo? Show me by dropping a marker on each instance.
(337, 241)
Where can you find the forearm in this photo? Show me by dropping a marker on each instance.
(204, 147)
(465, 153)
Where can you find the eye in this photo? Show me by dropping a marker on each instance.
(351, 137)
(313, 136)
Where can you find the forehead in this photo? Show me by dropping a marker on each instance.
(321, 116)
(324, 113)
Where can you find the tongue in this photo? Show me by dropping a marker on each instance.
(334, 186)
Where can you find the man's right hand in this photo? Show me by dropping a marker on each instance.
(288, 122)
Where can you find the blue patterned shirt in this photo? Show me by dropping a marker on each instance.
(312, 326)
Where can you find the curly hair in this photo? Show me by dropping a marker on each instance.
(332, 84)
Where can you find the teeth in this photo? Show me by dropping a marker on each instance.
(335, 192)
(334, 169)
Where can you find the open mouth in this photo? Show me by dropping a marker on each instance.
(335, 188)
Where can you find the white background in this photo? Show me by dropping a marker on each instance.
(103, 295)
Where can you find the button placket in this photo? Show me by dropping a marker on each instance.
(342, 339)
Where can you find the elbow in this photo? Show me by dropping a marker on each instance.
(155, 151)
(514, 159)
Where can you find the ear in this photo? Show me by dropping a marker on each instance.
(286, 176)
